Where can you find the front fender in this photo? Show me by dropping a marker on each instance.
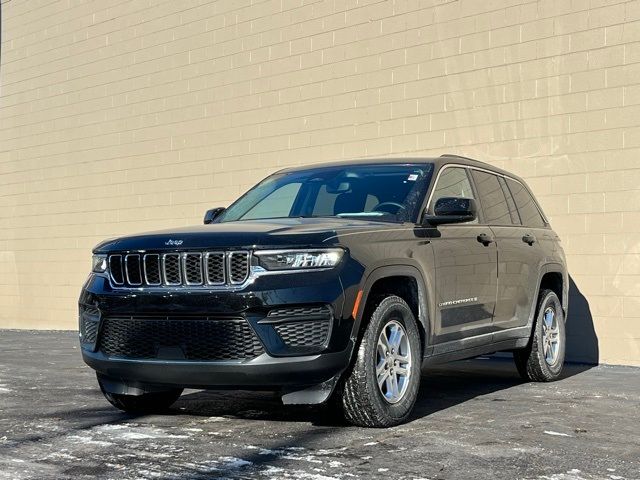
(408, 269)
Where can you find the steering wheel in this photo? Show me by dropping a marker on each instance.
(399, 206)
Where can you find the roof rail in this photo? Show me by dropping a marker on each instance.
(455, 156)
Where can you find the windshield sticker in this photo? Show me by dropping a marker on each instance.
(413, 177)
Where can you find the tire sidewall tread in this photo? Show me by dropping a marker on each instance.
(362, 401)
(530, 361)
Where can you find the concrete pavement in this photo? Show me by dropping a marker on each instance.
(474, 420)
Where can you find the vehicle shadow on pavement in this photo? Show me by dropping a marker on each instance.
(442, 387)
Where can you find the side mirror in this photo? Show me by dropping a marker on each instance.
(212, 214)
(452, 210)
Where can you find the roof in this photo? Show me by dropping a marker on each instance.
(438, 161)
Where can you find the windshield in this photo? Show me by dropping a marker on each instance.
(384, 192)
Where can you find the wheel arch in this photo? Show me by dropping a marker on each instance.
(388, 279)
(554, 277)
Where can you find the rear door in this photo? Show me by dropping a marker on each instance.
(536, 239)
(517, 260)
(466, 268)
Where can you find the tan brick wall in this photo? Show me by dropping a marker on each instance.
(119, 116)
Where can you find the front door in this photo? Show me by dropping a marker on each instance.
(466, 269)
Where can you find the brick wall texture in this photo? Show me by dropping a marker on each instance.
(121, 116)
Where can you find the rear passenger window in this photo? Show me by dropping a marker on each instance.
(492, 198)
(529, 212)
(513, 211)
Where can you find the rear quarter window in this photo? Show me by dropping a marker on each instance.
(527, 207)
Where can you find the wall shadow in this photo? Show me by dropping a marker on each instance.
(582, 341)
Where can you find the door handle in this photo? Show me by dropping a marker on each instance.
(485, 239)
(528, 238)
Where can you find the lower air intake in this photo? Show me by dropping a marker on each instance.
(177, 339)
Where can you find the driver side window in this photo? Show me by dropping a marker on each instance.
(453, 182)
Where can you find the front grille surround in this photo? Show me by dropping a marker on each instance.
(207, 269)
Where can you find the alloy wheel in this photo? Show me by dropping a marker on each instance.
(393, 365)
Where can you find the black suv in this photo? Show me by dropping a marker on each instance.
(333, 283)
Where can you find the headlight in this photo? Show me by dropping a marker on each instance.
(99, 264)
(299, 259)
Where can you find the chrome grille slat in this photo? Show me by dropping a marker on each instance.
(132, 269)
(180, 269)
(192, 268)
(115, 269)
(216, 273)
(238, 266)
(171, 269)
(151, 266)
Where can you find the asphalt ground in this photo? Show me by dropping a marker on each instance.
(473, 420)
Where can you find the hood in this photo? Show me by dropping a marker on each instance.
(274, 233)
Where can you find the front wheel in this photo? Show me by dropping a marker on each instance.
(382, 386)
(152, 402)
(543, 358)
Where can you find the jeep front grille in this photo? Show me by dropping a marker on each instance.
(179, 269)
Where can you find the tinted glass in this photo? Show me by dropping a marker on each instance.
(511, 204)
(527, 207)
(492, 199)
(453, 182)
(277, 204)
(384, 192)
(325, 205)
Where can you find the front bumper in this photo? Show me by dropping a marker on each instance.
(276, 366)
(263, 372)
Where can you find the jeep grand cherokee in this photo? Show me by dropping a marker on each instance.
(333, 283)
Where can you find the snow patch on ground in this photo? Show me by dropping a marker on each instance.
(573, 474)
(87, 440)
(133, 432)
(277, 473)
(557, 434)
(287, 453)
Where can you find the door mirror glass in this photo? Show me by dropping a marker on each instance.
(212, 214)
(453, 210)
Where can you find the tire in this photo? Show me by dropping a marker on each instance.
(539, 361)
(362, 401)
(152, 402)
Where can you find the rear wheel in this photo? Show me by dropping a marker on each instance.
(542, 360)
(382, 386)
(152, 402)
